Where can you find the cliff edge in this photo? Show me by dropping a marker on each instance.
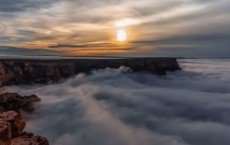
(11, 122)
(29, 71)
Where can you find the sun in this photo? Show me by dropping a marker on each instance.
(121, 35)
(122, 26)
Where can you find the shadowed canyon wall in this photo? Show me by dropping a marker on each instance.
(15, 72)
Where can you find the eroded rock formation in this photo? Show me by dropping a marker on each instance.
(23, 72)
(11, 123)
(14, 72)
(13, 101)
(29, 139)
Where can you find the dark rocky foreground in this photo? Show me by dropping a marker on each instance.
(11, 122)
(15, 72)
(22, 71)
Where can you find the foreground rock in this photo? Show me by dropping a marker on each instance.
(14, 122)
(13, 101)
(29, 139)
(14, 72)
(5, 136)
(11, 123)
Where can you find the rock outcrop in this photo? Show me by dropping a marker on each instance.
(11, 123)
(14, 72)
(29, 139)
(13, 101)
(14, 122)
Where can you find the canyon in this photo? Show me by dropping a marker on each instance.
(45, 71)
(31, 71)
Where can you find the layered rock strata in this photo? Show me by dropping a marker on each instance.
(11, 123)
(15, 72)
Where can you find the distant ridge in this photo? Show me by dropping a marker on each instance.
(43, 71)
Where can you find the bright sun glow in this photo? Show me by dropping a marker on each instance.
(121, 35)
(125, 22)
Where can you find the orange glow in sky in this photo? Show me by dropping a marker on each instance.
(121, 35)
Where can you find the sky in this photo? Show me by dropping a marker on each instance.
(175, 28)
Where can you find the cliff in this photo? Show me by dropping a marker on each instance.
(15, 72)
(11, 122)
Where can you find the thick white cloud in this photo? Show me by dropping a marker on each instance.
(117, 107)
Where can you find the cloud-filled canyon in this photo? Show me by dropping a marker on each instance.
(119, 107)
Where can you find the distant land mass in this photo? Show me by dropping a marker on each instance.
(42, 71)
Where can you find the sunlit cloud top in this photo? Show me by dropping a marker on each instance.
(187, 28)
(126, 22)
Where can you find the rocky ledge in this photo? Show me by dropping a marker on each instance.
(11, 123)
(14, 72)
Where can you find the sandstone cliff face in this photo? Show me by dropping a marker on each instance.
(11, 123)
(14, 72)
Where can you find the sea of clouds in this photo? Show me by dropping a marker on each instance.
(118, 107)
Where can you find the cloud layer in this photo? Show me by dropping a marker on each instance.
(117, 107)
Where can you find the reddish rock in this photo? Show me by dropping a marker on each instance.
(11, 122)
(5, 133)
(5, 74)
(11, 131)
(17, 124)
(29, 139)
